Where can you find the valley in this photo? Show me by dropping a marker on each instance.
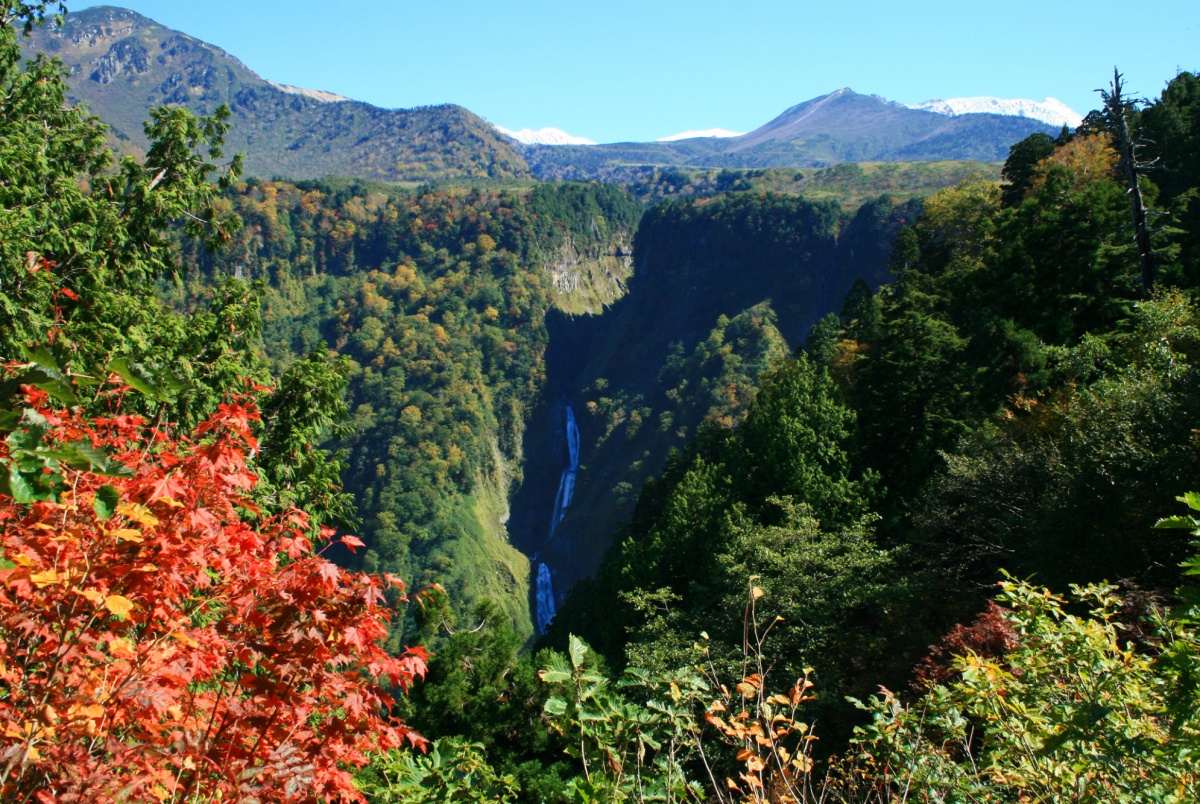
(384, 455)
(634, 326)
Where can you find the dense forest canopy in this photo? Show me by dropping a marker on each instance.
(434, 302)
(210, 383)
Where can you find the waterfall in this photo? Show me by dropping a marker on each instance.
(545, 598)
(572, 439)
(566, 489)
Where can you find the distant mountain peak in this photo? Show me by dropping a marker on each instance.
(1050, 111)
(708, 132)
(544, 136)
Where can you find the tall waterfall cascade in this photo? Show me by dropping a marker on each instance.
(545, 598)
(562, 500)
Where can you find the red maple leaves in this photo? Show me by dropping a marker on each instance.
(155, 646)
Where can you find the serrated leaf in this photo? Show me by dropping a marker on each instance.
(92, 711)
(175, 384)
(34, 421)
(32, 376)
(1180, 522)
(138, 513)
(554, 676)
(589, 692)
(555, 706)
(27, 439)
(578, 649)
(106, 502)
(82, 455)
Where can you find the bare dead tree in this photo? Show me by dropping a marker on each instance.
(1116, 115)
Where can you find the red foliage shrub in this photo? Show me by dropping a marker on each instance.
(155, 646)
(988, 635)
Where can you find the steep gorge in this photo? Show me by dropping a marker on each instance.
(720, 291)
(482, 328)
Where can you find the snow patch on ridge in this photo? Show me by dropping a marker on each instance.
(708, 132)
(1050, 111)
(544, 136)
(315, 94)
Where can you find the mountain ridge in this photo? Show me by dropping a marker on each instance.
(840, 126)
(122, 64)
(544, 136)
(1050, 111)
(708, 132)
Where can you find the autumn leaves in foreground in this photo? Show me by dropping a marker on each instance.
(161, 638)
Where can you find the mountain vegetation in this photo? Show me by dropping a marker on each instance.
(936, 444)
(123, 64)
(724, 289)
(434, 302)
(1015, 399)
(167, 628)
(851, 184)
(1019, 401)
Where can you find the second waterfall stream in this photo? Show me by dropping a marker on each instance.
(562, 500)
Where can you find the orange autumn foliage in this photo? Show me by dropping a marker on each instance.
(158, 647)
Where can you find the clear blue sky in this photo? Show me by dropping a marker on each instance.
(641, 69)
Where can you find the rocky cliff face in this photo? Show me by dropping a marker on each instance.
(588, 279)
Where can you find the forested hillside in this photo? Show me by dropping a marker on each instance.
(943, 445)
(723, 289)
(434, 302)
(1018, 399)
(851, 184)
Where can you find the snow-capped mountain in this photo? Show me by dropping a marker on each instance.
(708, 132)
(544, 136)
(1051, 111)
